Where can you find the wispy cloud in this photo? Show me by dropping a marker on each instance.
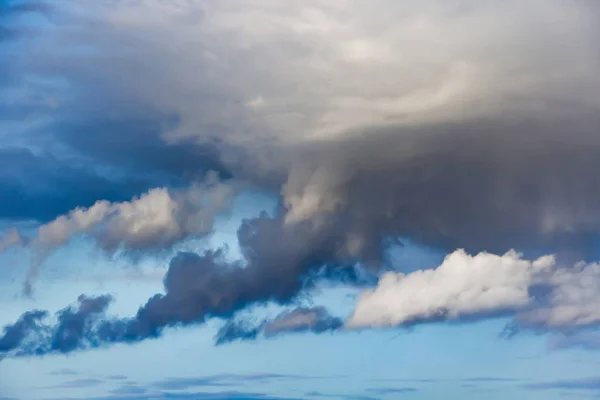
(591, 384)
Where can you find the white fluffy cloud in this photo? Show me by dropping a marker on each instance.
(539, 293)
(156, 219)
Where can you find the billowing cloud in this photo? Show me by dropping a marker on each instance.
(484, 138)
(539, 294)
(302, 319)
(196, 287)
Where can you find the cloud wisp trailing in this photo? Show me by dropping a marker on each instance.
(298, 320)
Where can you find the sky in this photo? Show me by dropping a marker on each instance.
(272, 199)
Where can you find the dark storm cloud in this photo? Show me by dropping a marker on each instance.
(480, 185)
(518, 174)
(197, 287)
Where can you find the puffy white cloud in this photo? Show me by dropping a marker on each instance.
(540, 294)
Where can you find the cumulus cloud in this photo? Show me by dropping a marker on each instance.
(539, 294)
(302, 319)
(153, 221)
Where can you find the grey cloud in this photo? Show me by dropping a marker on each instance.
(302, 319)
(32, 335)
(589, 340)
(14, 335)
(198, 287)
(494, 165)
(479, 183)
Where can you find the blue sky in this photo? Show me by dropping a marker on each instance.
(378, 202)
